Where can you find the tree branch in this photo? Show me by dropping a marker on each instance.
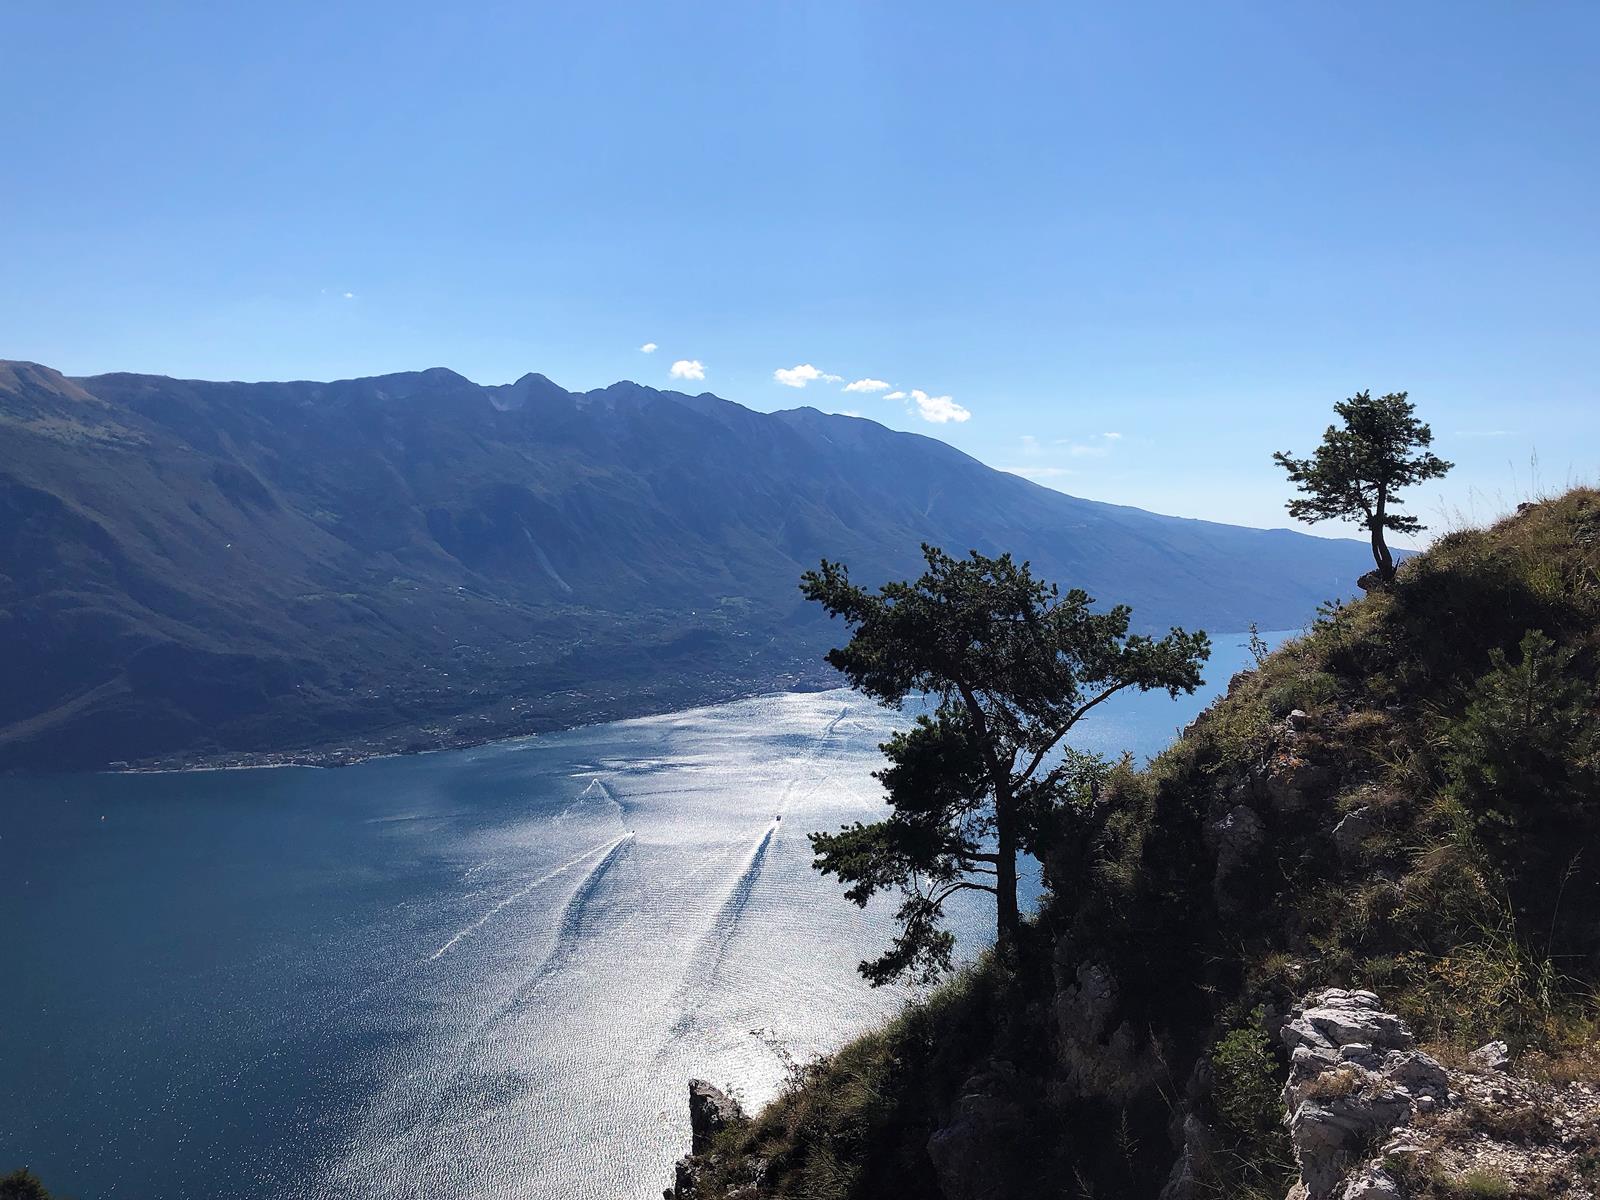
(1033, 763)
(1109, 692)
(960, 885)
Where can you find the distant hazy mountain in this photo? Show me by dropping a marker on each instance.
(200, 569)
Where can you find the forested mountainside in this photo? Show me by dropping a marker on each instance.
(205, 570)
(1343, 937)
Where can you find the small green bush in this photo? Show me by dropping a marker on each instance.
(1529, 743)
(1247, 1084)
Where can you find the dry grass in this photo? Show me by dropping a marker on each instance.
(1334, 1084)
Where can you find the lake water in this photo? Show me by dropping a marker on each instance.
(482, 973)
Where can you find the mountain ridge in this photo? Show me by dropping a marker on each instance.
(198, 571)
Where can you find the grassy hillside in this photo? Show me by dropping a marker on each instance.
(1405, 799)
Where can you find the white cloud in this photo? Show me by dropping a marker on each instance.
(849, 412)
(895, 396)
(349, 295)
(1112, 437)
(1030, 444)
(799, 376)
(867, 385)
(688, 368)
(938, 409)
(649, 348)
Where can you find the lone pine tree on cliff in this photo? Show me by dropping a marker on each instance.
(1359, 469)
(1010, 664)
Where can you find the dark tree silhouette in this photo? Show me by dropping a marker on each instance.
(1009, 665)
(1358, 470)
(22, 1184)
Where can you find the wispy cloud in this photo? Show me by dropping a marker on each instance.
(688, 368)
(349, 295)
(649, 348)
(895, 396)
(1095, 447)
(804, 373)
(868, 385)
(938, 409)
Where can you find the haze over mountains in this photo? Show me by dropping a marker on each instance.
(193, 569)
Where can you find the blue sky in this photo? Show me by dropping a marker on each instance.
(1191, 226)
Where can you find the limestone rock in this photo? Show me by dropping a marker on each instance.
(1334, 1017)
(1491, 1056)
(1099, 1055)
(1236, 835)
(1234, 838)
(1354, 1074)
(1197, 1146)
(1354, 829)
(971, 1153)
(1372, 1182)
(1292, 780)
(711, 1110)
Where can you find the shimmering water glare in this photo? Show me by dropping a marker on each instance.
(485, 973)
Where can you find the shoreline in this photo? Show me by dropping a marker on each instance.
(382, 744)
(497, 724)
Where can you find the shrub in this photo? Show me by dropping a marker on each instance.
(1525, 760)
(1530, 737)
(1247, 1084)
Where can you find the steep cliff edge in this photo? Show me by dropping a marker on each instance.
(1404, 803)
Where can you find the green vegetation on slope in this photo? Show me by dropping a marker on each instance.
(1405, 799)
(221, 570)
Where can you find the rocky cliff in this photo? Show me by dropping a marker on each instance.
(1371, 1117)
(1404, 803)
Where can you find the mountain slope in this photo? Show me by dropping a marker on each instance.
(205, 569)
(1407, 800)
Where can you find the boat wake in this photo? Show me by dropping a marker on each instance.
(612, 846)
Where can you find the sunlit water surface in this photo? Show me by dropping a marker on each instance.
(483, 973)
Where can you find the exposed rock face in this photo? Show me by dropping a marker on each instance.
(1354, 1074)
(1372, 1118)
(1098, 1054)
(1350, 832)
(711, 1110)
(1196, 1146)
(1235, 837)
(964, 1151)
(1492, 1056)
(1291, 780)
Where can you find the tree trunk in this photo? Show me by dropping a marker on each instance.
(1380, 549)
(1381, 555)
(1007, 918)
